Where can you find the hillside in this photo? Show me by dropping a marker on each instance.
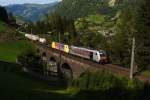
(7, 32)
(81, 8)
(31, 12)
(2, 27)
(10, 46)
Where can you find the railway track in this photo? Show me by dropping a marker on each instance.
(115, 69)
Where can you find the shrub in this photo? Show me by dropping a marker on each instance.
(104, 81)
(107, 86)
(31, 60)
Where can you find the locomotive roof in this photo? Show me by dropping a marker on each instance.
(85, 49)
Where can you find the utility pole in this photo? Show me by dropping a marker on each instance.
(59, 64)
(31, 30)
(26, 28)
(59, 48)
(132, 59)
(59, 38)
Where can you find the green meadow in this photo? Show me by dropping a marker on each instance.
(10, 50)
(2, 27)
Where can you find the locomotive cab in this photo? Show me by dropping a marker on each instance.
(53, 44)
(96, 56)
(103, 57)
(66, 48)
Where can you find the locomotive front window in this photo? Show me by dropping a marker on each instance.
(102, 54)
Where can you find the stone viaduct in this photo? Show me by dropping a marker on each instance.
(68, 65)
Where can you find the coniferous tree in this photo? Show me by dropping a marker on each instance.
(133, 22)
(3, 14)
(122, 39)
(143, 34)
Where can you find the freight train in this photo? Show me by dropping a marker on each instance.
(94, 55)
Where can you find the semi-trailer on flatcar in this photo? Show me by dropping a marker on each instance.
(32, 37)
(42, 40)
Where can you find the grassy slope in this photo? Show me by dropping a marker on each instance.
(2, 27)
(147, 73)
(10, 50)
(82, 8)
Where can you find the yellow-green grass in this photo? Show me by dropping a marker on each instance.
(147, 73)
(2, 27)
(10, 50)
(96, 19)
